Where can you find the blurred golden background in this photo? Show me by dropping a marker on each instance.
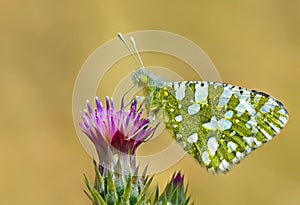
(254, 44)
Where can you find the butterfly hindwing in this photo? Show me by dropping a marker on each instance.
(218, 124)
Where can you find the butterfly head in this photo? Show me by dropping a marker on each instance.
(144, 78)
(141, 76)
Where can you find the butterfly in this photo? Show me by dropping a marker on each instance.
(216, 123)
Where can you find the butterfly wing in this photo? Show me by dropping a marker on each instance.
(219, 124)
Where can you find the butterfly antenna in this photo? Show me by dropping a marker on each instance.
(136, 50)
(123, 97)
(129, 90)
(121, 37)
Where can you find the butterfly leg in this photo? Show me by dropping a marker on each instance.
(139, 99)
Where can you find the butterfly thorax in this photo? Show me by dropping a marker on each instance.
(152, 86)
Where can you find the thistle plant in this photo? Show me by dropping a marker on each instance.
(116, 135)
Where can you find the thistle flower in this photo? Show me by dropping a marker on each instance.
(116, 135)
(174, 192)
(177, 180)
(115, 131)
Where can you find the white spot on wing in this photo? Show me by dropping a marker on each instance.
(224, 124)
(258, 143)
(176, 86)
(248, 125)
(178, 118)
(205, 157)
(249, 140)
(249, 107)
(229, 114)
(231, 146)
(243, 106)
(240, 156)
(257, 98)
(193, 138)
(282, 111)
(245, 95)
(224, 165)
(240, 109)
(179, 136)
(274, 127)
(232, 133)
(235, 160)
(269, 137)
(248, 150)
(180, 91)
(270, 104)
(212, 145)
(193, 109)
(283, 120)
(212, 125)
(211, 170)
(225, 97)
(252, 122)
(201, 93)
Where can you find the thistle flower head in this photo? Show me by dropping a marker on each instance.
(116, 135)
(174, 193)
(118, 130)
(177, 179)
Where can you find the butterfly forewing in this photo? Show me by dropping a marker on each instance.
(218, 124)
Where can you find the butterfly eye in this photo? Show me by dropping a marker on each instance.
(144, 80)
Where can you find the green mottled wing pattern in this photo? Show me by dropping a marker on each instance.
(216, 123)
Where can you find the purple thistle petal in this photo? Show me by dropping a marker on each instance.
(113, 127)
(122, 103)
(143, 122)
(133, 106)
(97, 117)
(107, 103)
(127, 120)
(86, 122)
(99, 105)
(82, 126)
(89, 107)
(82, 114)
(138, 116)
(112, 104)
(100, 130)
